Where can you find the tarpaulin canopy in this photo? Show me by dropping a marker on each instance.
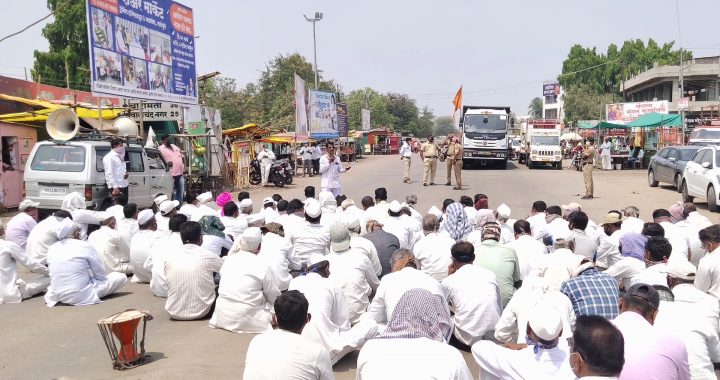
(36, 112)
(606, 125)
(287, 138)
(654, 120)
(245, 130)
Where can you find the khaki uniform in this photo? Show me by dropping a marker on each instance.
(430, 152)
(588, 161)
(454, 160)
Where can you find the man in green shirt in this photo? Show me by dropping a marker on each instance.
(499, 259)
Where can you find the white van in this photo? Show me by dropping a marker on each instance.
(57, 168)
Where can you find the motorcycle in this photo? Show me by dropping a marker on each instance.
(280, 173)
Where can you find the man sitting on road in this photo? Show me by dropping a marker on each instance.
(311, 237)
(433, 250)
(110, 247)
(19, 227)
(13, 289)
(43, 236)
(169, 244)
(143, 244)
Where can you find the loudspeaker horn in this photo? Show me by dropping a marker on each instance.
(62, 124)
(125, 126)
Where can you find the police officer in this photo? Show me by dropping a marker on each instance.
(588, 161)
(454, 160)
(429, 154)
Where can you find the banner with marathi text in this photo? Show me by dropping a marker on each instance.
(323, 115)
(623, 113)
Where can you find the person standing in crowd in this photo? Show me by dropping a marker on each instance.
(406, 158)
(174, 158)
(316, 153)
(265, 157)
(598, 349)
(588, 161)
(429, 152)
(13, 289)
(19, 227)
(115, 170)
(605, 152)
(306, 152)
(330, 168)
(454, 161)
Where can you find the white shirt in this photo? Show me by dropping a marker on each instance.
(652, 275)
(690, 233)
(474, 295)
(265, 157)
(41, 238)
(632, 224)
(141, 247)
(677, 239)
(507, 232)
(557, 229)
(585, 244)
(75, 267)
(117, 211)
(115, 170)
(169, 243)
(127, 228)
(471, 214)
(529, 253)
(382, 359)
(625, 269)
(275, 250)
(18, 229)
(608, 252)
(234, 226)
(393, 286)
(395, 226)
(190, 282)
(707, 277)
(352, 270)
(111, 249)
(497, 362)
(215, 244)
(537, 225)
(557, 267)
(330, 172)
(606, 146)
(368, 249)
(306, 152)
(163, 222)
(307, 239)
(280, 354)
(10, 255)
(405, 150)
(698, 220)
(246, 294)
(432, 253)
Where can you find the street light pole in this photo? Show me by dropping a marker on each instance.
(318, 17)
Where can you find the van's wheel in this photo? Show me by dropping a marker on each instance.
(651, 179)
(686, 198)
(712, 200)
(676, 183)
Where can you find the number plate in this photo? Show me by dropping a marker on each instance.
(54, 190)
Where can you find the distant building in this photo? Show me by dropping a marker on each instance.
(553, 106)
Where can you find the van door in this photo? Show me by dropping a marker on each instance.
(138, 181)
(161, 182)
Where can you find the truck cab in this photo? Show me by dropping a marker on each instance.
(543, 138)
(484, 135)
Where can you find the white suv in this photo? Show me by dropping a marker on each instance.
(701, 177)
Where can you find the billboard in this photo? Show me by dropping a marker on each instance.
(142, 49)
(153, 110)
(323, 115)
(342, 119)
(365, 119)
(551, 89)
(623, 113)
(301, 127)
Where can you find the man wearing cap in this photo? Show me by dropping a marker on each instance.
(110, 247)
(406, 157)
(310, 237)
(500, 260)
(396, 226)
(19, 227)
(592, 228)
(454, 161)
(330, 323)
(275, 250)
(473, 293)
(591, 291)
(585, 245)
(142, 244)
(608, 252)
(543, 357)
(650, 353)
(270, 210)
(692, 314)
(587, 162)
(166, 210)
(359, 243)
(77, 274)
(115, 170)
(247, 288)
(202, 202)
(174, 158)
(169, 244)
(43, 236)
(429, 152)
(502, 217)
(13, 289)
(432, 251)
(352, 270)
(330, 168)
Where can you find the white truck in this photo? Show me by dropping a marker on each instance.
(543, 143)
(484, 135)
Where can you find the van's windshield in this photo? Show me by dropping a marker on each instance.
(59, 158)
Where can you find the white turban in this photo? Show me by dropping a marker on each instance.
(73, 201)
(64, 228)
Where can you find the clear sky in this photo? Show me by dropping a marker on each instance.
(501, 51)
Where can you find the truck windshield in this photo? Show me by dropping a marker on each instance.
(485, 124)
(59, 158)
(545, 140)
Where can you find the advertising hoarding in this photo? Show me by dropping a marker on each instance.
(342, 119)
(323, 115)
(551, 89)
(623, 113)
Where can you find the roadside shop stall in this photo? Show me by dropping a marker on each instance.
(287, 145)
(239, 143)
(383, 141)
(347, 149)
(654, 131)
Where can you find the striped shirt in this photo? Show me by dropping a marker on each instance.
(190, 282)
(593, 293)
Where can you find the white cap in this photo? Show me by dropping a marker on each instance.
(545, 321)
(316, 258)
(395, 206)
(339, 237)
(312, 209)
(572, 207)
(205, 197)
(168, 206)
(435, 211)
(27, 203)
(245, 203)
(681, 269)
(269, 200)
(144, 216)
(160, 199)
(250, 238)
(503, 211)
(64, 228)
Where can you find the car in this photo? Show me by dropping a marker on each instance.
(57, 168)
(701, 178)
(668, 164)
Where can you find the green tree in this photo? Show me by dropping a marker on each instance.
(404, 111)
(536, 108)
(67, 60)
(582, 103)
(238, 107)
(423, 126)
(372, 100)
(443, 126)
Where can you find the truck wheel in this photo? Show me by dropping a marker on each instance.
(504, 164)
(530, 165)
(558, 166)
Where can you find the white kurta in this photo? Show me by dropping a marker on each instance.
(111, 249)
(215, 244)
(77, 274)
(41, 238)
(280, 354)
(127, 228)
(625, 269)
(163, 222)
(353, 272)
(382, 359)
(537, 225)
(707, 277)
(169, 244)
(497, 362)
(12, 288)
(18, 229)
(234, 226)
(395, 226)
(275, 250)
(433, 254)
(190, 282)
(330, 173)
(529, 252)
(307, 239)
(608, 252)
(246, 295)
(368, 249)
(142, 245)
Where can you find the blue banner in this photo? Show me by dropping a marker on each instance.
(142, 49)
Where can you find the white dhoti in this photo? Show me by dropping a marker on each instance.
(113, 283)
(32, 287)
(606, 162)
(265, 171)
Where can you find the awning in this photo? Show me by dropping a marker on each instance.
(606, 125)
(37, 111)
(654, 120)
(287, 138)
(245, 130)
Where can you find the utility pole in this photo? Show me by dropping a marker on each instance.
(682, 68)
(318, 17)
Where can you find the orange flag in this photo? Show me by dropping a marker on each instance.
(457, 102)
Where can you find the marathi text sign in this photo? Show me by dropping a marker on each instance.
(142, 49)
(551, 89)
(342, 119)
(623, 113)
(323, 115)
(154, 111)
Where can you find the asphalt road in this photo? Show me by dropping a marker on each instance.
(64, 341)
